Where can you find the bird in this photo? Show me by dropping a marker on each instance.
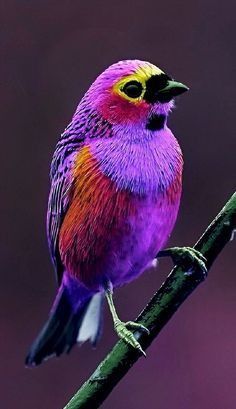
(116, 182)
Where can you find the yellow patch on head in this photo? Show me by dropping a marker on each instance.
(141, 76)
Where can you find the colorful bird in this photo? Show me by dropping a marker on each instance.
(115, 193)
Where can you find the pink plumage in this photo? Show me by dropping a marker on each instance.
(116, 186)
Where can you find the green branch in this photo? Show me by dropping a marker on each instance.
(177, 287)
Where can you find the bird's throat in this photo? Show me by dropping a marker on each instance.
(156, 122)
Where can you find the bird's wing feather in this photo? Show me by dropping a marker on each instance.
(62, 179)
(59, 198)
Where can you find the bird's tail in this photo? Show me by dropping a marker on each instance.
(74, 317)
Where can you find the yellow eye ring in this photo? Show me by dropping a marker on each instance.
(141, 76)
(130, 88)
(133, 89)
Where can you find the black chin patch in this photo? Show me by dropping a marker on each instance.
(156, 122)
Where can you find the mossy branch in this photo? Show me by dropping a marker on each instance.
(173, 292)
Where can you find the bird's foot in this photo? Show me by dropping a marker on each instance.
(124, 333)
(186, 257)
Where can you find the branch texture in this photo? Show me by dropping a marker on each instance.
(173, 292)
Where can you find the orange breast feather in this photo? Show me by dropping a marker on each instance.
(97, 213)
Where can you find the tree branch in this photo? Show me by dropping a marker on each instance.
(173, 292)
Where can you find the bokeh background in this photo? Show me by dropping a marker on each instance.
(50, 53)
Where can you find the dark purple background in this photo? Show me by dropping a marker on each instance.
(51, 51)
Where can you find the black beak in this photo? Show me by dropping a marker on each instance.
(171, 90)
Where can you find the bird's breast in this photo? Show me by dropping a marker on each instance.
(143, 163)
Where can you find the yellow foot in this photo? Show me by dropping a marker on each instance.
(124, 333)
(186, 257)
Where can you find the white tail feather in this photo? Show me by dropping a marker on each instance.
(90, 327)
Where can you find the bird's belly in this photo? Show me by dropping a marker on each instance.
(117, 244)
(147, 234)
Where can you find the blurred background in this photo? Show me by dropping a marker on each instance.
(50, 53)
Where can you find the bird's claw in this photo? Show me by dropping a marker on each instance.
(137, 327)
(124, 333)
(187, 257)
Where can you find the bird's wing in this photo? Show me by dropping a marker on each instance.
(59, 198)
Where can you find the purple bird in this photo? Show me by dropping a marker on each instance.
(116, 179)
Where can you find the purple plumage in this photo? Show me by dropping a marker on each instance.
(116, 186)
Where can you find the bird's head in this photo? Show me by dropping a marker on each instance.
(135, 92)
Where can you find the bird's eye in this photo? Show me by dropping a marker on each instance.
(133, 89)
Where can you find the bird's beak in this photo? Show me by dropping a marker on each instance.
(171, 90)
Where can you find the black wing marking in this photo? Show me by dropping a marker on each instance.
(61, 182)
(57, 206)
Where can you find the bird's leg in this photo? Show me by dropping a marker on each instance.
(186, 257)
(121, 327)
